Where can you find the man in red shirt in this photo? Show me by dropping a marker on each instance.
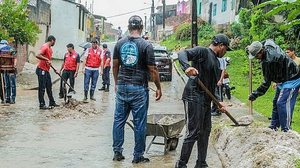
(105, 64)
(42, 71)
(69, 68)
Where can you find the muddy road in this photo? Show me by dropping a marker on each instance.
(80, 136)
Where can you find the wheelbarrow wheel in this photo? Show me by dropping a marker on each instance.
(172, 142)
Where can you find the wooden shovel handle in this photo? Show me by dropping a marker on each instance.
(199, 82)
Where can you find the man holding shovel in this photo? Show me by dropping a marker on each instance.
(279, 68)
(69, 69)
(197, 103)
(42, 71)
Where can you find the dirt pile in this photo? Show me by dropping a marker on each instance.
(73, 109)
(256, 147)
(168, 120)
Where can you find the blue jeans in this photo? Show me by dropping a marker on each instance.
(135, 99)
(10, 87)
(90, 75)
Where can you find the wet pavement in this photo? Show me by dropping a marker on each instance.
(31, 138)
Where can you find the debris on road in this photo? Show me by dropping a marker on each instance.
(254, 147)
(73, 109)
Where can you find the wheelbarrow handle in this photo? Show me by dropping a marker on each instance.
(200, 83)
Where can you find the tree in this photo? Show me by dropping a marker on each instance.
(289, 9)
(15, 24)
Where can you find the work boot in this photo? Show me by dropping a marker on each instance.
(140, 159)
(180, 164)
(201, 164)
(85, 97)
(107, 88)
(103, 88)
(92, 95)
(118, 156)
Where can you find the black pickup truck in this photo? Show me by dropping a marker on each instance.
(163, 62)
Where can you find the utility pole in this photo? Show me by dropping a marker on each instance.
(164, 17)
(194, 24)
(152, 29)
(145, 28)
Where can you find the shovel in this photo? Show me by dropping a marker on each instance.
(64, 80)
(199, 82)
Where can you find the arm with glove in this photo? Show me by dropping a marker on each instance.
(261, 90)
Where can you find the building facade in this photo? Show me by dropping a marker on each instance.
(218, 12)
(70, 23)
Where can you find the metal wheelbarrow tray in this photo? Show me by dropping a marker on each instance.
(169, 130)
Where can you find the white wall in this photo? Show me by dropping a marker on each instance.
(221, 17)
(64, 26)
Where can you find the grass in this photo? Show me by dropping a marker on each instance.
(297, 163)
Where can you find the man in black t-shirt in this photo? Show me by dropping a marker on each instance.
(133, 61)
(197, 104)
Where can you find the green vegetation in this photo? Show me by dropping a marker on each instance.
(297, 163)
(253, 25)
(14, 22)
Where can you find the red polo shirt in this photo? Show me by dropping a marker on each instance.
(46, 51)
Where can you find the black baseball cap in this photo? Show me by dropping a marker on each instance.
(135, 21)
(222, 38)
(104, 45)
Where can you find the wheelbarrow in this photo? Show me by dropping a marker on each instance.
(168, 126)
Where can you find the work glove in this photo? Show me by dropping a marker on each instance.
(252, 97)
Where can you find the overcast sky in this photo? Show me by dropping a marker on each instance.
(115, 7)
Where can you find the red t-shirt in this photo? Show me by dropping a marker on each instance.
(46, 51)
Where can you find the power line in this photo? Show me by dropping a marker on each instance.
(128, 12)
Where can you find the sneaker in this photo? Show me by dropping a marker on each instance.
(216, 113)
(54, 105)
(85, 100)
(92, 98)
(201, 164)
(273, 128)
(180, 164)
(61, 96)
(141, 159)
(118, 156)
(103, 88)
(106, 90)
(45, 107)
(12, 102)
